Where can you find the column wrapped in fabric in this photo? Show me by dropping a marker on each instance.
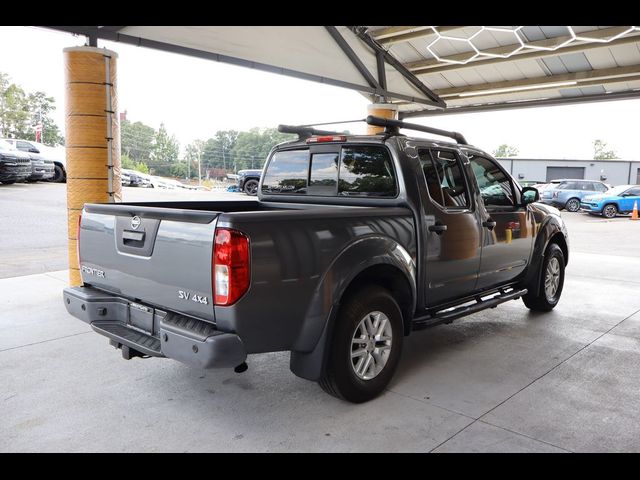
(92, 136)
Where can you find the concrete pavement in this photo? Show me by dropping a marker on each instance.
(499, 380)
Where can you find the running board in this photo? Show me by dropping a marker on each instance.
(449, 316)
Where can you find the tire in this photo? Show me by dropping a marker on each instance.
(572, 205)
(60, 175)
(552, 276)
(610, 210)
(366, 308)
(251, 187)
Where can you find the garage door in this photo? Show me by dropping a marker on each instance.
(554, 173)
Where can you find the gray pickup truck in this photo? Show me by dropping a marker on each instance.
(353, 243)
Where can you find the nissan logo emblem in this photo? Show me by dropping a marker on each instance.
(135, 222)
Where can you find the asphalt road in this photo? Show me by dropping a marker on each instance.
(33, 223)
(33, 233)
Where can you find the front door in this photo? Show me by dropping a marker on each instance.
(508, 227)
(630, 197)
(453, 232)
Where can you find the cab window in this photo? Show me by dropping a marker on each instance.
(444, 178)
(495, 186)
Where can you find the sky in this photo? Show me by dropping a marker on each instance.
(194, 98)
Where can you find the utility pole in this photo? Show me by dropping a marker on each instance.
(199, 177)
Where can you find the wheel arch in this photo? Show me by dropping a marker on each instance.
(371, 260)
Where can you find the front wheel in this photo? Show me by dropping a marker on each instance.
(251, 187)
(59, 175)
(365, 346)
(610, 211)
(573, 205)
(552, 281)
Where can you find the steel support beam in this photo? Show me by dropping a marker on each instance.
(605, 75)
(361, 32)
(547, 102)
(351, 55)
(431, 99)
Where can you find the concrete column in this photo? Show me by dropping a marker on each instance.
(384, 110)
(92, 137)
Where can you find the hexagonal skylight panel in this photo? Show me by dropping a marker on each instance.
(494, 37)
(559, 44)
(462, 33)
(622, 31)
(439, 50)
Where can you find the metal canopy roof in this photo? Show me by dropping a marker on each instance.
(423, 69)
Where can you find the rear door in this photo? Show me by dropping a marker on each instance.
(453, 232)
(508, 228)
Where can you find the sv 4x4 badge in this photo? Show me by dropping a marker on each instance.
(193, 297)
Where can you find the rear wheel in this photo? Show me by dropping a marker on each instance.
(552, 281)
(572, 205)
(251, 187)
(610, 211)
(365, 346)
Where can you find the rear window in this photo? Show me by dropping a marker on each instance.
(349, 171)
(287, 173)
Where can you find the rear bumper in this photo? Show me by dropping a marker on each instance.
(154, 332)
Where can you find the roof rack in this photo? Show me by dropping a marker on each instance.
(304, 132)
(392, 127)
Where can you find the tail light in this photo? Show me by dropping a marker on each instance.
(231, 270)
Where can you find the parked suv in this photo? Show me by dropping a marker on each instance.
(568, 193)
(49, 154)
(248, 181)
(15, 166)
(620, 199)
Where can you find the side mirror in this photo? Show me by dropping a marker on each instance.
(34, 150)
(530, 195)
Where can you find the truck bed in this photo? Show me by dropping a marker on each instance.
(169, 255)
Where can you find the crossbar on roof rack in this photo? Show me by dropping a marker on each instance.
(304, 132)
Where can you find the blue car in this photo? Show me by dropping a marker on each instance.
(619, 199)
(568, 193)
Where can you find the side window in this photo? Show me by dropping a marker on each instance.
(633, 191)
(366, 171)
(600, 187)
(23, 145)
(287, 172)
(324, 174)
(445, 180)
(495, 186)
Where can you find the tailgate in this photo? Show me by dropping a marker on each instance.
(159, 256)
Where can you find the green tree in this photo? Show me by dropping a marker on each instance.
(505, 151)
(252, 147)
(137, 140)
(21, 111)
(218, 150)
(165, 150)
(40, 107)
(600, 152)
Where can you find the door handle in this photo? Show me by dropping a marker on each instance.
(438, 228)
(489, 223)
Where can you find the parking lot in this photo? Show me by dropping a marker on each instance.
(503, 379)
